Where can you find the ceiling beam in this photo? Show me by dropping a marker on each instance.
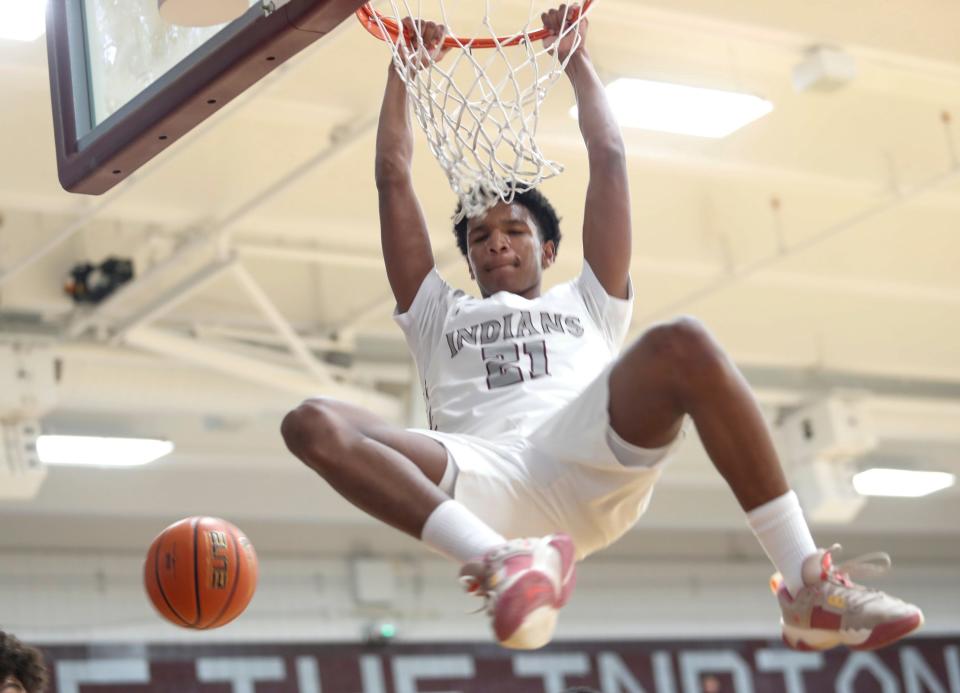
(280, 324)
(310, 254)
(173, 297)
(737, 274)
(755, 170)
(258, 371)
(640, 263)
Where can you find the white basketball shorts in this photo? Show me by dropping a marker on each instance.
(573, 473)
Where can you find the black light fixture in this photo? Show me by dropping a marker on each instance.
(89, 283)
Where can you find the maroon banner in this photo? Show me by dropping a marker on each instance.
(919, 665)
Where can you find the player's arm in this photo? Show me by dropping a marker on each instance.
(606, 217)
(403, 229)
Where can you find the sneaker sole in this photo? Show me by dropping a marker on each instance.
(535, 631)
(816, 639)
(527, 610)
(526, 613)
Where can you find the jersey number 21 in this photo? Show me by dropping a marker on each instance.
(502, 363)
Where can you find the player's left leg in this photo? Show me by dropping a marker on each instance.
(398, 477)
(677, 369)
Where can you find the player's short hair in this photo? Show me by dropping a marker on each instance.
(22, 662)
(539, 206)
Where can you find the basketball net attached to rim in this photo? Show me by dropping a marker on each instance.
(480, 106)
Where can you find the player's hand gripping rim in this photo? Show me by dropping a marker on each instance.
(421, 43)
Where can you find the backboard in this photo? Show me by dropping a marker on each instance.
(125, 85)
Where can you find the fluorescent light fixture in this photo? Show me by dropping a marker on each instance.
(94, 451)
(901, 482)
(682, 110)
(22, 20)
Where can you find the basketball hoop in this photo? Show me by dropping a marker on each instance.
(375, 22)
(479, 111)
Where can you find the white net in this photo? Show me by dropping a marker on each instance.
(480, 105)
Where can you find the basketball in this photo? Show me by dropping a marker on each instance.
(200, 572)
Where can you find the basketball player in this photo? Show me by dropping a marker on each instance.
(539, 426)
(22, 669)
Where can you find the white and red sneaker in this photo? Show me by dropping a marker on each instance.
(525, 583)
(833, 610)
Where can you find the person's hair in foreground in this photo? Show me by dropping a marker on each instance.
(21, 663)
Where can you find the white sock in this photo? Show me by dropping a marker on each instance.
(457, 533)
(783, 533)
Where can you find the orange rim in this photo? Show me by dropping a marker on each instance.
(368, 18)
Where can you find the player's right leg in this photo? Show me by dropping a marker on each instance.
(386, 471)
(393, 474)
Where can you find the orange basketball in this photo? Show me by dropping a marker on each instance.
(200, 572)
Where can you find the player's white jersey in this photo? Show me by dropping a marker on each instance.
(500, 364)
